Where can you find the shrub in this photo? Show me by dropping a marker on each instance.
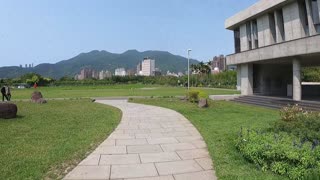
(282, 153)
(203, 94)
(193, 96)
(291, 113)
(304, 125)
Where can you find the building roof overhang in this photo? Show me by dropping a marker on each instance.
(261, 7)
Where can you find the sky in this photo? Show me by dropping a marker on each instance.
(48, 31)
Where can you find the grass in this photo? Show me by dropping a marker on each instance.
(46, 139)
(219, 125)
(112, 90)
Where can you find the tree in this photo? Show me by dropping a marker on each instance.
(201, 68)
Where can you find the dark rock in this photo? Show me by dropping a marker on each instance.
(203, 103)
(8, 110)
(37, 97)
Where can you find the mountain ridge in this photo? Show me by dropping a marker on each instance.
(101, 60)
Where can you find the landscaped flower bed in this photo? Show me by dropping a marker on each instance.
(290, 148)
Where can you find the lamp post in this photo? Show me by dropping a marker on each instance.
(189, 50)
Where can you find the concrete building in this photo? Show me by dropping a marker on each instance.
(104, 74)
(87, 73)
(120, 72)
(139, 69)
(131, 72)
(273, 40)
(218, 63)
(148, 67)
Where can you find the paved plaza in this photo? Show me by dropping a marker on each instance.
(150, 143)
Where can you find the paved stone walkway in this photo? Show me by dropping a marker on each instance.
(150, 143)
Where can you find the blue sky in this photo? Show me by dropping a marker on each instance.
(39, 31)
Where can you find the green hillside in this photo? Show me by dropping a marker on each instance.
(101, 60)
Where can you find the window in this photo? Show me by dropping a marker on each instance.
(280, 24)
(237, 40)
(273, 27)
(248, 29)
(304, 17)
(255, 33)
(315, 12)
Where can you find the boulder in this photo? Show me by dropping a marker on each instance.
(8, 110)
(203, 103)
(37, 97)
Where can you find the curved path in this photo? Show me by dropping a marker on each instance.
(150, 143)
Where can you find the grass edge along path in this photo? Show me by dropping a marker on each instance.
(219, 125)
(47, 140)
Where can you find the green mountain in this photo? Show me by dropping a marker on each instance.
(101, 60)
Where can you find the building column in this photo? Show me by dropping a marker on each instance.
(239, 77)
(296, 69)
(246, 79)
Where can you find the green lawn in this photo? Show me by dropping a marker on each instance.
(112, 90)
(219, 125)
(46, 139)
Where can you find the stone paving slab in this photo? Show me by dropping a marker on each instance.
(150, 143)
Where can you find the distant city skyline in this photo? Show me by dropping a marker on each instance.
(45, 31)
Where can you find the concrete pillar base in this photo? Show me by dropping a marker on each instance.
(246, 79)
(296, 69)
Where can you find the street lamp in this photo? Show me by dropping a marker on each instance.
(189, 50)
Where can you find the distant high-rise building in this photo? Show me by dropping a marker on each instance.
(104, 74)
(120, 72)
(139, 69)
(29, 65)
(95, 74)
(26, 66)
(148, 67)
(20, 65)
(108, 74)
(131, 72)
(85, 73)
(218, 64)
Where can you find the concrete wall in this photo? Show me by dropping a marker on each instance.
(264, 31)
(246, 79)
(297, 47)
(269, 31)
(292, 24)
(243, 38)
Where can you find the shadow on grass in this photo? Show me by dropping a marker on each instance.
(18, 117)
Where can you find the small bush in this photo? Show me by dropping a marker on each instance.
(291, 113)
(193, 96)
(304, 125)
(204, 95)
(281, 153)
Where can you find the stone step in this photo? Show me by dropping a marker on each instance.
(277, 103)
